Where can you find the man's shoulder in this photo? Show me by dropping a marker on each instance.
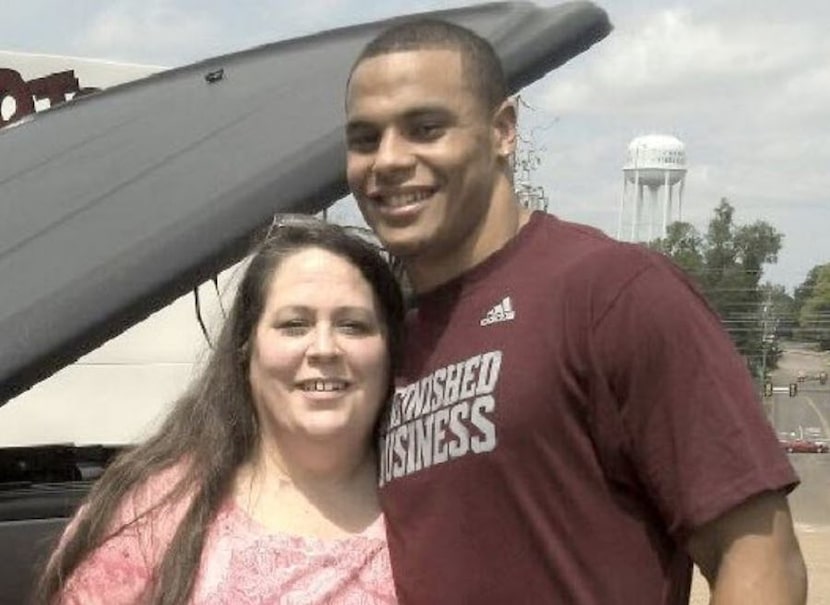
(588, 250)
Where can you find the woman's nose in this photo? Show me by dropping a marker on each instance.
(324, 343)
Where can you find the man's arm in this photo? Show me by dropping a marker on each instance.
(750, 554)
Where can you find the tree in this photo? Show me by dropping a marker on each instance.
(814, 315)
(684, 245)
(727, 262)
(805, 290)
(777, 322)
(780, 308)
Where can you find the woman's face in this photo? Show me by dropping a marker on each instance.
(319, 362)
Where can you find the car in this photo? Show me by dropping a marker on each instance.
(40, 488)
(804, 446)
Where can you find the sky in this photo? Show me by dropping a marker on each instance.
(746, 91)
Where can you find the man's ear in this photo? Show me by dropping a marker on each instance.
(504, 128)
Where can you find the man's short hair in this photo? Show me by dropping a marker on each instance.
(479, 60)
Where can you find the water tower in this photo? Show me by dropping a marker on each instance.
(656, 163)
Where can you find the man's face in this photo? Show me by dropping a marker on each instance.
(422, 153)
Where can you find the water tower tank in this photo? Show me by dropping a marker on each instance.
(655, 158)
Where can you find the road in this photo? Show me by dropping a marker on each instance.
(808, 413)
(805, 415)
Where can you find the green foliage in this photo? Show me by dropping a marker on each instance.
(727, 262)
(805, 290)
(685, 246)
(814, 310)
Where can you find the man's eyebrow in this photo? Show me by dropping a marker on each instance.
(358, 124)
(424, 111)
(427, 110)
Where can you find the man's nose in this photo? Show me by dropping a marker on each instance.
(394, 153)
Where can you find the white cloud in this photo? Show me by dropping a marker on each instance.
(674, 60)
(750, 97)
(154, 30)
(747, 91)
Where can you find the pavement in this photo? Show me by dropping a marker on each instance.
(810, 502)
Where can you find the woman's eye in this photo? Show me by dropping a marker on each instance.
(293, 327)
(355, 327)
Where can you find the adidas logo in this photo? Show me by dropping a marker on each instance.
(501, 312)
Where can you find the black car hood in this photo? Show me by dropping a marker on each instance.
(115, 204)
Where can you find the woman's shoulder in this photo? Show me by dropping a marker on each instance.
(120, 568)
(153, 499)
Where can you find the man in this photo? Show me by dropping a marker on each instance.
(571, 424)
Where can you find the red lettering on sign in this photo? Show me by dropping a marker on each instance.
(53, 88)
(12, 85)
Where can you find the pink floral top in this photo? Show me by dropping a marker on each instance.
(242, 564)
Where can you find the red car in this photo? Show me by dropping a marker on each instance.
(803, 446)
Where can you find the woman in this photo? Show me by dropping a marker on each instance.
(261, 485)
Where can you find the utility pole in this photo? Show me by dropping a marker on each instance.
(766, 337)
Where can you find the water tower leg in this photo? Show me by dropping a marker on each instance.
(666, 204)
(638, 206)
(622, 208)
(652, 215)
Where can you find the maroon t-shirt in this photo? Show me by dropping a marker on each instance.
(569, 410)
